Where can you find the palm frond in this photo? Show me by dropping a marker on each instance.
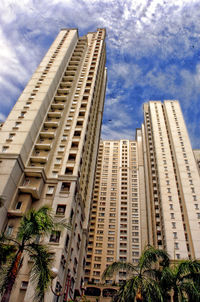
(6, 252)
(41, 271)
(151, 290)
(36, 222)
(60, 224)
(188, 269)
(152, 273)
(39, 222)
(116, 267)
(127, 291)
(188, 287)
(167, 279)
(152, 255)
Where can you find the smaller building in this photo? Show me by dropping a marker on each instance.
(116, 228)
(100, 293)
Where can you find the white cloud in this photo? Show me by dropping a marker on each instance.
(2, 117)
(109, 133)
(136, 30)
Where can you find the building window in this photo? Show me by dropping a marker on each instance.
(18, 205)
(172, 216)
(55, 237)
(72, 157)
(26, 182)
(22, 114)
(60, 209)
(69, 171)
(11, 135)
(24, 285)
(17, 124)
(97, 251)
(50, 190)
(110, 259)
(176, 245)
(61, 148)
(54, 173)
(65, 187)
(4, 149)
(64, 137)
(9, 230)
(173, 225)
(63, 261)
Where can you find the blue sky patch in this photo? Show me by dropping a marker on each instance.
(153, 53)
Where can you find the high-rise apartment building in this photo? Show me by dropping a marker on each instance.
(172, 181)
(146, 191)
(49, 145)
(118, 229)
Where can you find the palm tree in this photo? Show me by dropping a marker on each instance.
(183, 280)
(33, 225)
(6, 251)
(143, 283)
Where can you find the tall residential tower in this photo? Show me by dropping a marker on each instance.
(115, 231)
(172, 181)
(146, 191)
(49, 145)
(118, 222)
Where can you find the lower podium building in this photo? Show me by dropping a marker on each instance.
(146, 191)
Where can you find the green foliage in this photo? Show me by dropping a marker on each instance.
(184, 279)
(6, 251)
(151, 255)
(33, 224)
(117, 266)
(36, 223)
(41, 271)
(154, 280)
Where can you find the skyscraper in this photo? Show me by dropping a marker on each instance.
(48, 148)
(118, 224)
(115, 215)
(172, 181)
(146, 191)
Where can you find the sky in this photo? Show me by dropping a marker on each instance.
(153, 53)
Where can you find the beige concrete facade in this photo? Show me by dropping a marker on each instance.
(49, 145)
(172, 181)
(146, 191)
(116, 228)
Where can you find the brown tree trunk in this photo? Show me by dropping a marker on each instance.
(12, 276)
(139, 295)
